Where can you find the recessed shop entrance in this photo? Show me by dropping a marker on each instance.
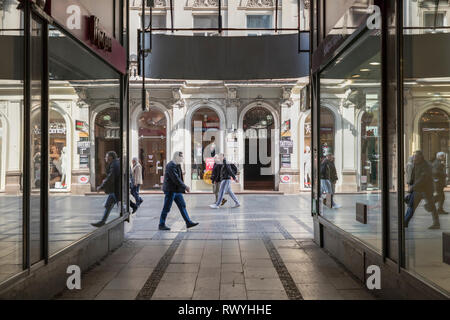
(152, 147)
(258, 125)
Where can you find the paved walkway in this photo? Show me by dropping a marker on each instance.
(262, 250)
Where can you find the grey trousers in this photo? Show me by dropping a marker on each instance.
(225, 187)
(216, 189)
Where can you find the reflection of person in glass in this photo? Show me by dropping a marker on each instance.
(111, 185)
(226, 173)
(420, 184)
(174, 188)
(328, 177)
(215, 177)
(440, 181)
(55, 165)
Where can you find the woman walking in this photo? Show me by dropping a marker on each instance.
(226, 173)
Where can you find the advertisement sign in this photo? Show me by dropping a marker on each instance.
(209, 164)
(83, 179)
(285, 178)
(285, 160)
(84, 161)
(81, 126)
(286, 146)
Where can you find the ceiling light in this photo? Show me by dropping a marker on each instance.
(356, 76)
(364, 70)
(374, 63)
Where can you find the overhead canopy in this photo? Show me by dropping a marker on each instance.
(227, 58)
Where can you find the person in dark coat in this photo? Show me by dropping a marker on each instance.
(440, 181)
(215, 177)
(111, 185)
(328, 177)
(174, 188)
(226, 173)
(420, 187)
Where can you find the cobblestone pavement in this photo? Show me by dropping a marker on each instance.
(261, 250)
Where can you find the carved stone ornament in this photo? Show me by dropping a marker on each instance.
(259, 3)
(307, 3)
(205, 3)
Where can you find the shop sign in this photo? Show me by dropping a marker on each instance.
(57, 128)
(84, 161)
(97, 36)
(285, 178)
(285, 160)
(81, 126)
(83, 147)
(286, 146)
(77, 20)
(83, 179)
(209, 164)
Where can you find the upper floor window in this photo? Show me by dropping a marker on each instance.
(206, 21)
(259, 21)
(158, 21)
(432, 19)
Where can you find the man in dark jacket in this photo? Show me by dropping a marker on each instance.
(215, 176)
(328, 177)
(111, 185)
(420, 187)
(440, 181)
(174, 188)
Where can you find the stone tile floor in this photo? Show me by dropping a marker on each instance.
(230, 255)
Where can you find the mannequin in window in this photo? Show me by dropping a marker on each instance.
(63, 166)
(307, 165)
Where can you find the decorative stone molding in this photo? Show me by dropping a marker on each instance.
(138, 3)
(260, 3)
(177, 97)
(205, 3)
(307, 3)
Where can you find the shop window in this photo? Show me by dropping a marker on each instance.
(259, 21)
(86, 92)
(206, 21)
(350, 152)
(12, 148)
(306, 165)
(426, 136)
(205, 144)
(152, 147)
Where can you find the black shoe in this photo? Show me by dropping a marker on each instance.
(164, 227)
(442, 212)
(223, 201)
(98, 224)
(134, 210)
(191, 224)
(139, 202)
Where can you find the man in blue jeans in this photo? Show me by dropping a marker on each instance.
(174, 188)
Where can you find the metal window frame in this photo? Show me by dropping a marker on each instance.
(315, 85)
(33, 12)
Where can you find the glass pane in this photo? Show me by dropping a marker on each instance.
(84, 125)
(426, 137)
(259, 21)
(152, 147)
(205, 130)
(350, 140)
(36, 143)
(11, 135)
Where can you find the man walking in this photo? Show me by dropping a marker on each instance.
(174, 188)
(226, 173)
(439, 177)
(420, 187)
(111, 185)
(137, 181)
(328, 178)
(215, 176)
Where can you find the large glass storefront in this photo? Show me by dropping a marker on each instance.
(11, 110)
(205, 144)
(353, 77)
(385, 180)
(60, 113)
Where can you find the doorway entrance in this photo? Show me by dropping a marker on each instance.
(152, 147)
(258, 124)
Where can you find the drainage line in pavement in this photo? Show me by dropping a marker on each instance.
(283, 231)
(300, 222)
(286, 279)
(152, 282)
